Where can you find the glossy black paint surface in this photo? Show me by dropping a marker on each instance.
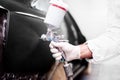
(24, 50)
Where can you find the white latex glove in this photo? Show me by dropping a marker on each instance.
(71, 52)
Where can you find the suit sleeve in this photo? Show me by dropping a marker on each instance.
(107, 45)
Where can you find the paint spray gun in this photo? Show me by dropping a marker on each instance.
(53, 20)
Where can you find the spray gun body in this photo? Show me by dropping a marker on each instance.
(53, 19)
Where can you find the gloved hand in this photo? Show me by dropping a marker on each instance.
(71, 52)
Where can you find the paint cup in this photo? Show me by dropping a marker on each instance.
(55, 14)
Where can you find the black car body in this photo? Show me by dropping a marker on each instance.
(24, 51)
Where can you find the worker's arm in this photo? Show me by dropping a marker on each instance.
(99, 49)
(85, 51)
(107, 45)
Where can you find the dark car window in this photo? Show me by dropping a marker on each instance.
(74, 34)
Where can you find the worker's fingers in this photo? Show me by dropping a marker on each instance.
(54, 50)
(58, 58)
(57, 55)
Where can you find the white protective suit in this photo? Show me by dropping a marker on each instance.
(107, 46)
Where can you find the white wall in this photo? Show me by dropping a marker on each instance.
(91, 16)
